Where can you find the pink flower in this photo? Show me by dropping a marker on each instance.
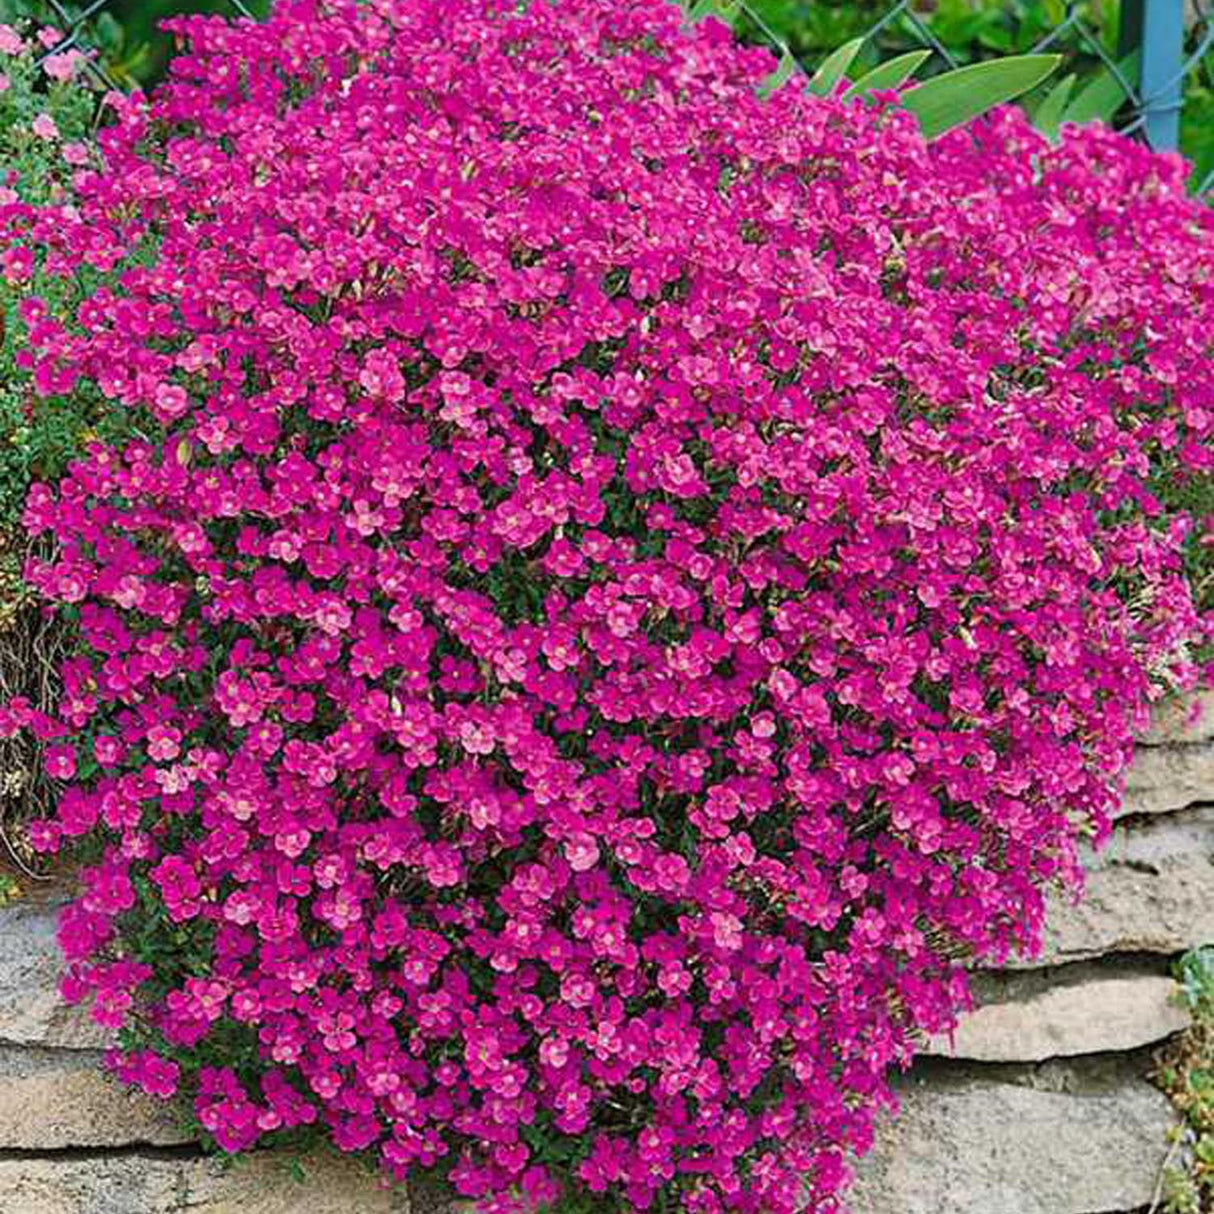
(582, 852)
(60, 762)
(18, 265)
(163, 743)
(381, 376)
(44, 127)
(612, 584)
(63, 65)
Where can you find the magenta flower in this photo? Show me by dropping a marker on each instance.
(619, 586)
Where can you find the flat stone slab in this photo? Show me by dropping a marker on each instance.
(1032, 1016)
(262, 1183)
(974, 1146)
(1149, 890)
(265, 1184)
(119, 1184)
(1182, 719)
(31, 1012)
(1165, 778)
(55, 1099)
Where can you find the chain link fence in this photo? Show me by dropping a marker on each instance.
(1152, 75)
(79, 24)
(1144, 66)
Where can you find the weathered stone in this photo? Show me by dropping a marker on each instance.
(1182, 718)
(430, 1196)
(1164, 778)
(261, 1183)
(974, 1146)
(51, 1099)
(264, 1183)
(1148, 890)
(120, 1184)
(1032, 1016)
(31, 1012)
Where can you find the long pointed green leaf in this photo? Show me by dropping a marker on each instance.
(726, 10)
(947, 101)
(1047, 117)
(888, 75)
(778, 78)
(834, 67)
(1103, 95)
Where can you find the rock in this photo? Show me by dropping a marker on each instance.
(31, 1012)
(430, 1196)
(1164, 778)
(121, 1184)
(976, 1146)
(1030, 1017)
(52, 1099)
(1182, 719)
(262, 1183)
(1148, 891)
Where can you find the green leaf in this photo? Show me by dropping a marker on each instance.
(1103, 95)
(778, 78)
(1047, 117)
(834, 67)
(725, 10)
(947, 101)
(108, 33)
(1197, 133)
(888, 75)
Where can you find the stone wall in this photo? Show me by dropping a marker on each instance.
(1039, 1104)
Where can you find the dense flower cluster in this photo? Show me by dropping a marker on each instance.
(621, 585)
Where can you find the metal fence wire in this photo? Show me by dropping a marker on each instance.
(77, 23)
(1166, 39)
(1163, 61)
(1157, 62)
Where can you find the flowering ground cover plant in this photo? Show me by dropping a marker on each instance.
(46, 115)
(45, 120)
(618, 588)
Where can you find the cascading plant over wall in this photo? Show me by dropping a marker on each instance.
(617, 586)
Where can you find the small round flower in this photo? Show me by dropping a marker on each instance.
(63, 66)
(605, 588)
(60, 762)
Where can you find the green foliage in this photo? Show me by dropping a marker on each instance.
(36, 437)
(941, 103)
(785, 70)
(1187, 1075)
(134, 51)
(39, 436)
(1194, 494)
(1197, 121)
(969, 30)
(889, 75)
(1102, 95)
(834, 67)
(947, 101)
(1049, 115)
(1085, 33)
(1196, 974)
